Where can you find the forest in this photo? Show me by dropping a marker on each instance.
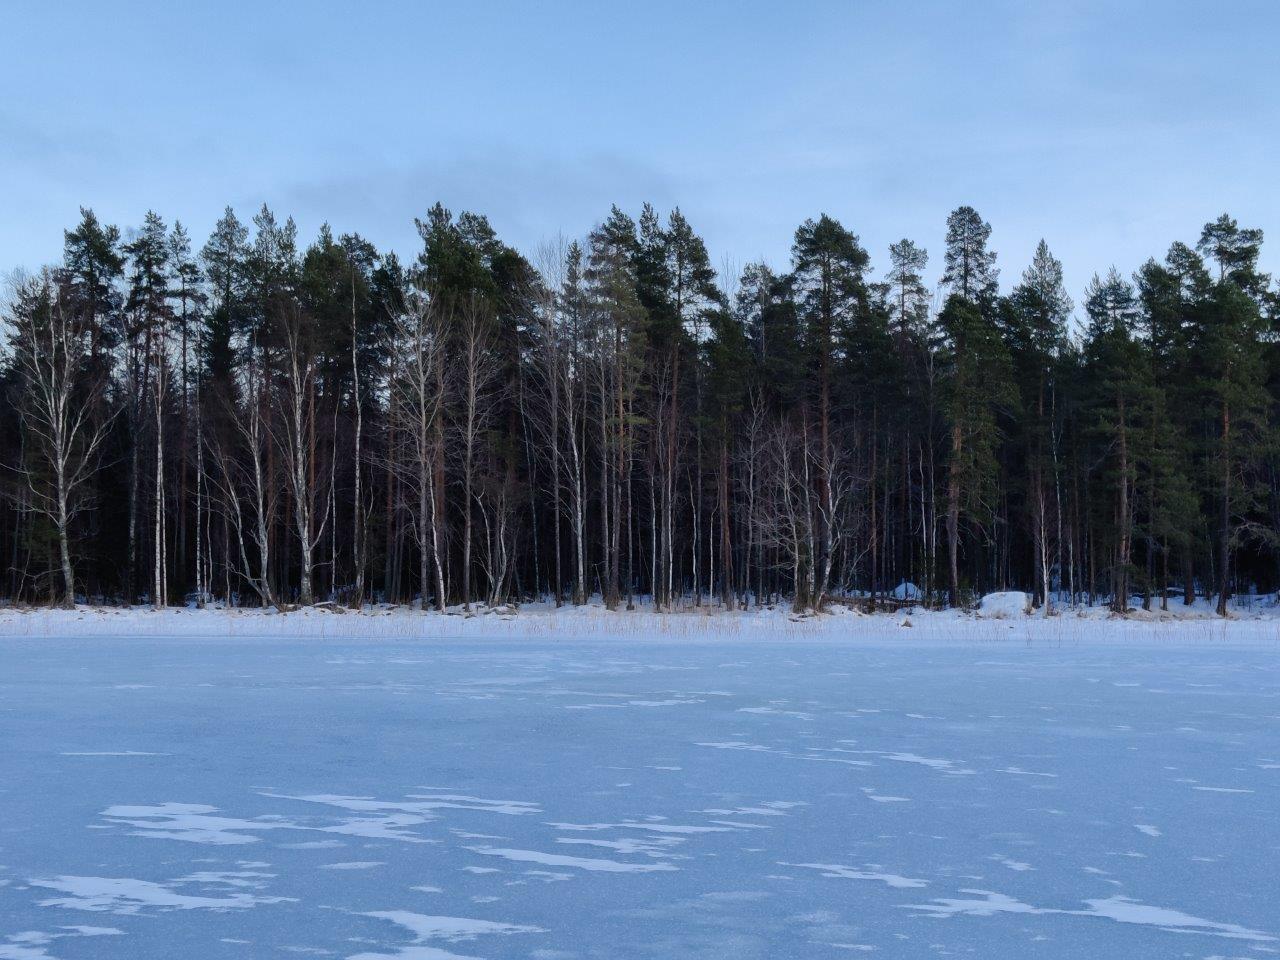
(259, 421)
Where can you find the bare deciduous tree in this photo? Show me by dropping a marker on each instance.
(416, 337)
(296, 438)
(478, 390)
(58, 409)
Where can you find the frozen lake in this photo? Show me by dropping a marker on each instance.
(209, 799)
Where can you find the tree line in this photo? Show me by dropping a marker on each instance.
(254, 423)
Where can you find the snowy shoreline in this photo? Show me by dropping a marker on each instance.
(1249, 626)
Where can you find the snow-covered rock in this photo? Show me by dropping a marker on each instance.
(907, 591)
(1004, 605)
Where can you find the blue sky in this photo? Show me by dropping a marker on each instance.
(1109, 129)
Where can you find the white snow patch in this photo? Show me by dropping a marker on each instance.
(448, 929)
(581, 863)
(1119, 909)
(656, 847)
(30, 944)
(853, 873)
(419, 804)
(124, 895)
(933, 763)
(1222, 790)
(197, 823)
(870, 794)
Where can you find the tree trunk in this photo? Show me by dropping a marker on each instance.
(1224, 538)
(1120, 578)
(953, 517)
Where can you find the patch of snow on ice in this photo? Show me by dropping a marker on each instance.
(933, 763)
(883, 798)
(1222, 790)
(196, 823)
(30, 944)
(449, 929)
(1124, 910)
(1119, 909)
(124, 895)
(581, 863)
(852, 873)
(420, 804)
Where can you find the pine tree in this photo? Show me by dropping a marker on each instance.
(729, 379)
(766, 309)
(1172, 498)
(828, 271)
(147, 336)
(1116, 398)
(1235, 251)
(616, 317)
(187, 290)
(977, 388)
(694, 300)
(970, 267)
(95, 264)
(1227, 344)
(908, 296)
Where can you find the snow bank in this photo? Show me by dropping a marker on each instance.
(1004, 605)
(1001, 617)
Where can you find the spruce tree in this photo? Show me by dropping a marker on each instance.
(224, 258)
(1034, 324)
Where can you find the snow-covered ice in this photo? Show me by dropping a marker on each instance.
(963, 788)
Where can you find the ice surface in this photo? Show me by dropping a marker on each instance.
(958, 789)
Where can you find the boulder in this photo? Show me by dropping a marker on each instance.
(1004, 605)
(907, 591)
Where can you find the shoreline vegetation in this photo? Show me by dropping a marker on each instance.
(1000, 617)
(263, 421)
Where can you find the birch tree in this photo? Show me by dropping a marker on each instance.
(58, 410)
